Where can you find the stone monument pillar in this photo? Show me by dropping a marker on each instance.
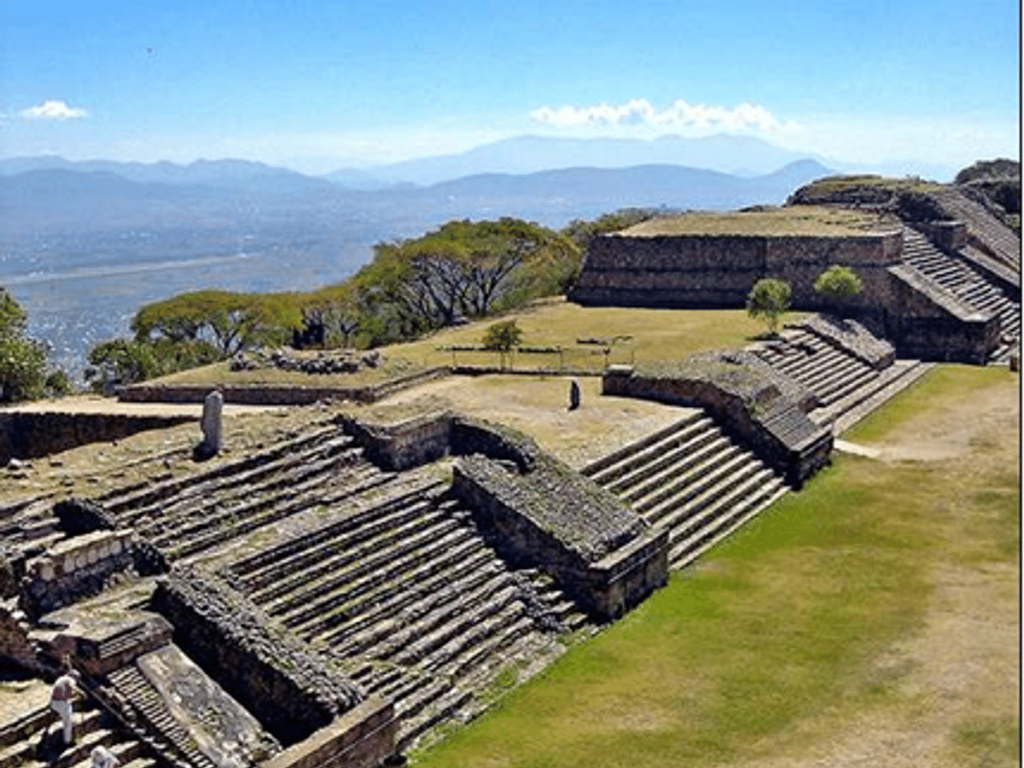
(213, 406)
(574, 395)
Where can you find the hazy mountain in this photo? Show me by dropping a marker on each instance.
(736, 155)
(224, 174)
(77, 197)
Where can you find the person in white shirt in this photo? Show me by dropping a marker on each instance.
(103, 758)
(63, 693)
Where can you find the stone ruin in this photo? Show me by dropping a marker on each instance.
(941, 274)
(325, 363)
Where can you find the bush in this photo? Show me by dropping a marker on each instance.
(838, 283)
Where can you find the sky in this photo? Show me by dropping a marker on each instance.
(324, 85)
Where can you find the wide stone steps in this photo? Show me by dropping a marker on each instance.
(133, 685)
(828, 372)
(689, 482)
(125, 501)
(388, 637)
(702, 487)
(202, 528)
(712, 528)
(330, 601)
(963, 281)
(986, 227)
(290, 576)
(263, 480)
(621, 462)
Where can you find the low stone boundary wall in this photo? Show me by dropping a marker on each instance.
(287, 687)
(273, 394)
(31, 435)
(361, 738)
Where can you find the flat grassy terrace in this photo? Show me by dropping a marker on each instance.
(802, 220)
(627, 334)
(871, 619)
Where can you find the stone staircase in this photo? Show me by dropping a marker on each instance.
(188, 516)
(841, 382)
(691, 479)
(34, 741)
(405, 593)
(998, 239)
(134, 687)
(959, 278)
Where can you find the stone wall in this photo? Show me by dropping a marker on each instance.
(271, 394)
(718, 270)
(934, 324)
(403, 445)
(76, 568)
(287, 687)
(748, 401)
(31, 435)
(600, 552)
(535, 510)
(361, 738)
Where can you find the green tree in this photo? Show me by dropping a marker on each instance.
(229, 321)
(768, 300)
(120, 362)
(22, 360)
(503, 338)
(838, 284)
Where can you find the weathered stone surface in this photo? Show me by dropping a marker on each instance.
(286, 686)
(763, 409)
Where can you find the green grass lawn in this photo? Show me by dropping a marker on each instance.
(785, 629)
(634, 335)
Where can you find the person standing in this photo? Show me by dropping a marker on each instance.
(63, 693)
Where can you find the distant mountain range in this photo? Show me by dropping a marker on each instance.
(735, 155)
(53, 194)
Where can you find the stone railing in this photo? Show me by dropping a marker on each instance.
(751, 405)
(287, 687)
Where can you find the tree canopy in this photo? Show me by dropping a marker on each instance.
(23, 366)
(768, 300)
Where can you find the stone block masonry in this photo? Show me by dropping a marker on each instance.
(533, 508)
(31, 435)
(718, 270)
(750, 402)
(287, 687)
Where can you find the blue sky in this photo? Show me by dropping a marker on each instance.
(327, 85)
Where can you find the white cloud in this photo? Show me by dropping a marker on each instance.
(680, 115)
(53, 109)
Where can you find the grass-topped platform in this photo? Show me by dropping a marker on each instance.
(558, 337)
